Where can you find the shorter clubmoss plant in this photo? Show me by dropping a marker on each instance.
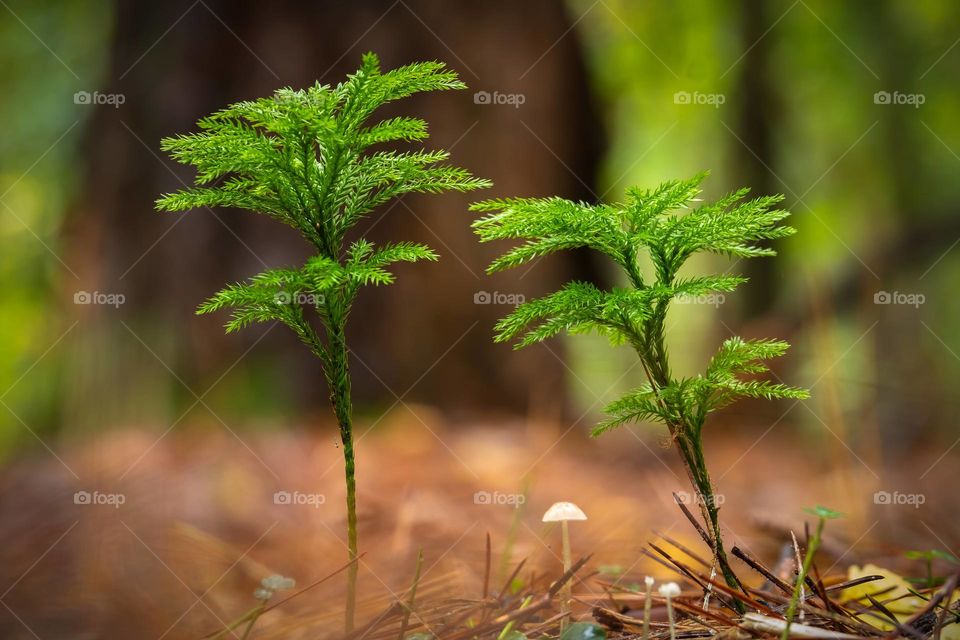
(647, 223)
(813, 544)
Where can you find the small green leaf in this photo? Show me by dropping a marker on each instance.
(823, 512)
(613, 570)
(584, 631)
(933, 554)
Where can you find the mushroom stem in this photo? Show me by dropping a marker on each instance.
(673, 631)
(563, 512)
(567, 592)
(646, 607)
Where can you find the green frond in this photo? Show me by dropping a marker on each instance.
(738, 356)
(722, 382)
(699, 286)
(660, 221)
(549, 225)
(534, 249)
(730, 226)
(366, 264)
(669, 224)
(645, 205)
(393, 130)
(578, 307)
(400, 252)
(636, 406)
(305, 157)
(236, 193)
(301, 155)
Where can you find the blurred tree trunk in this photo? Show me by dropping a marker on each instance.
(756, 100)
(900, 340)
(175, 62)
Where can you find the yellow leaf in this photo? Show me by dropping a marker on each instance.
(894, 592)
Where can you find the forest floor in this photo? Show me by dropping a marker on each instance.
(178, 532)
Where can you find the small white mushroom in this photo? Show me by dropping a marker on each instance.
(563, 512)
(271, 584)
(278, 582)
(669, 591)
(648, 581)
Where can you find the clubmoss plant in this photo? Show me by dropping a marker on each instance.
(304, 157)
(648, 223)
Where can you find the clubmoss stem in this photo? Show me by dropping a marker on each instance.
(339, 382)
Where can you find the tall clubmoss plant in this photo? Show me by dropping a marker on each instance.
(305, 158)
(663, 227)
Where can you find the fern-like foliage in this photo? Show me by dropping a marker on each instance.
(666, 226)
(311, 159)
(308, 158)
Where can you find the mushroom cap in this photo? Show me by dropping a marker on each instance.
(278, 582)
(670, 590)
(561, 511)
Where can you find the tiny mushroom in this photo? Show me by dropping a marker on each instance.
(271, 584)
(563, 512)
(669, 591)
(648, 581)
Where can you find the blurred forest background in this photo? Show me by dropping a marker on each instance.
(849, 109)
